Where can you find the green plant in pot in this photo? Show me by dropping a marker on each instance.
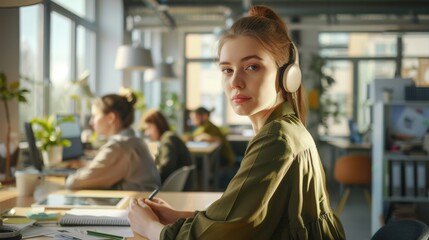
(48, 132)
(9, 92)
(327, 106)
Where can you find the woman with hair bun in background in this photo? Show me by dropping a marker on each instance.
(124, 162)
(279, 191)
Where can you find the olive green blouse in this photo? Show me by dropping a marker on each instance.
(279, 192)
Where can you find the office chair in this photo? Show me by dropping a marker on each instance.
(404, 229)
(352, 170)
(176, 181)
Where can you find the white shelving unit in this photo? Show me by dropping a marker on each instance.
(381, 158)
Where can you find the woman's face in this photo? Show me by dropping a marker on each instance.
(152, 132)
(100, 121)
(248, 76)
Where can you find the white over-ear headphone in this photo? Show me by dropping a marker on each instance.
(290, 73)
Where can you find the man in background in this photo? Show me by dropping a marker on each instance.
(209, 132)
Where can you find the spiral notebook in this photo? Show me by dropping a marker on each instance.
(95, 217)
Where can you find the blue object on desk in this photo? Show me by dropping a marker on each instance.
(42, 216)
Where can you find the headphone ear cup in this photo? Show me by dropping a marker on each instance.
(291, 78)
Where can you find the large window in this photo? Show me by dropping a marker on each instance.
(61, 66)
(354, 60)
(31, 59)
(71, 48)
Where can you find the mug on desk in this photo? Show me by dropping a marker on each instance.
(27, 181)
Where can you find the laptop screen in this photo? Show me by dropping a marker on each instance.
(72, 131)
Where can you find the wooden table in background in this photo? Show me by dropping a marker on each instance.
(207, 152)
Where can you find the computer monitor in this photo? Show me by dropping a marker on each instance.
(71, 131)
(34, 153)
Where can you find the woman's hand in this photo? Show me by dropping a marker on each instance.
(165, 213)
(143, 220)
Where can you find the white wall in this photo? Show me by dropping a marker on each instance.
(111, 34)
(9, 63)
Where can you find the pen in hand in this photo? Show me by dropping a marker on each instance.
(152, 195)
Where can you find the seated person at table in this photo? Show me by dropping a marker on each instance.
(172, 152)
(209, 132)
(280, 191)
(124, 162)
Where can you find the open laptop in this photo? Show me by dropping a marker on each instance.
(72, 132)
(37, 160)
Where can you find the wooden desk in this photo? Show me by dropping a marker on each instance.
(348, 146)
(188, 201)
(204, 151)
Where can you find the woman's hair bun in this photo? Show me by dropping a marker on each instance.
(128, 94)
(263, 11)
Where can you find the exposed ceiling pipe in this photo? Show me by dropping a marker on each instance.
(162, 11)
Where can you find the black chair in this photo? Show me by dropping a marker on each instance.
(406, 229)
(176, 181)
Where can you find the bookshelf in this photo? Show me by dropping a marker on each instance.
(398, 176)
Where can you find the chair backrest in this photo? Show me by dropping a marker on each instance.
(176, 181)
(405, 229)
(353, 169)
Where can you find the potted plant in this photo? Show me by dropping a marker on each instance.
(8, 93)
(48, 132)
(319, 100)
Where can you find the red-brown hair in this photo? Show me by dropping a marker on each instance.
(270, 31)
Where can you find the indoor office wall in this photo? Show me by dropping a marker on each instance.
(9, 63)
(111, 36)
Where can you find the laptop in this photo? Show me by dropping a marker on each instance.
(72, 131)
(37, 160)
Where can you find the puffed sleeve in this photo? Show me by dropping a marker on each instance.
(247, 209)
(104, 170)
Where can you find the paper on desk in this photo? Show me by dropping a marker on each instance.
(78, 232)
(37, 231)
(123, 213)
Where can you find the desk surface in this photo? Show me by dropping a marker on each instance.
(202, 147)
(188, 201)
(347, 145)
(194, 147)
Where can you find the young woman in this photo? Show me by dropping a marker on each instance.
(124, 162)
(172, 152)
(279, 191)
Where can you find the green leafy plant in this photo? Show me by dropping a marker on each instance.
(48, 132)
(171, 107)
(328, 106)
(9, 92)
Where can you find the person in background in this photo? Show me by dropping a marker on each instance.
(172, 152)
(124, 161)
(279, 191)
(209, 132)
